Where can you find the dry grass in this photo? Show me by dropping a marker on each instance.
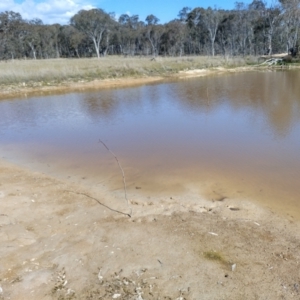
(58, 71)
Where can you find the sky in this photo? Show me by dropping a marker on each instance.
(60, 11)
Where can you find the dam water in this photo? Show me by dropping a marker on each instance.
(235, 135)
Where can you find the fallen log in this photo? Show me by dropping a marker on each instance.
(273, 61)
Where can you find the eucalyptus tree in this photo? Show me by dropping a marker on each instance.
(32, 33)
(291, 22)
(124, 35)
(183, 17)
(71, 41)
(153, 33)
(209, 20)
(11, 24)
(93, 23)
(197, 32)
(174, 38)
(272, 18)
(267, 27)
(129, 34)
(54, 31)
(48, 41)
(226, 35)
(257, 10)
(212, 19)
(183, 14)
(244, 29)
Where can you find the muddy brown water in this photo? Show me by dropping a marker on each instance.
(235, 136)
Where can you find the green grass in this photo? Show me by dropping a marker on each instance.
(215, 256)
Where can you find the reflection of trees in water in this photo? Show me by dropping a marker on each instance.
(99, 106)
(13, 114)
(29, 113)
(278, 100)
(107, 104)
(273, 95)
(113, 103)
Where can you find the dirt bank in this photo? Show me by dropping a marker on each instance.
(13, 91)
(23, 90)
(58, 243)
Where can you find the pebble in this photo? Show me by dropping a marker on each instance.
(100, 277)
(233, 208)
(212, 233)
(233, 267)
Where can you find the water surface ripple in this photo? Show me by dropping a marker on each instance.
(235, 135)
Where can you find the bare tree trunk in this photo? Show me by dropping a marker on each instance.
(96, 44)
(77, 52)
(32, 49)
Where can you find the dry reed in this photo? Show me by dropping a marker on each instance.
(58, 71)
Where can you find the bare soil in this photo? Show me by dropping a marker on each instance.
(12, 91)
(57, 242)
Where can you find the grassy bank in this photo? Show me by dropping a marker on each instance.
(24, 77)
(57, 71)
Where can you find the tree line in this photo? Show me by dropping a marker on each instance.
(248, 29)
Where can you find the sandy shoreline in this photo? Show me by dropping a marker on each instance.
(61, 240)
(23, 91)
(59, 243)
(14, 91)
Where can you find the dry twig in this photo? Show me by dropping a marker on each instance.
(114, 210)
(122, 171)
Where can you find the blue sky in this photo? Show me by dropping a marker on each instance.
(60, 11)
(165, 10)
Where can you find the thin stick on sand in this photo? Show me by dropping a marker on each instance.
(124, 182)
(114, 210)
(122, 171)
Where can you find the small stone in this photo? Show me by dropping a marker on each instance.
(213, 233)
(115, 296)
(233, 208)
(233, 267)
(100, 277)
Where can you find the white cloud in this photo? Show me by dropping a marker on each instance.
(49, 11)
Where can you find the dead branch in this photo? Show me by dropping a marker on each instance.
(122, 171)
(272, 61)
(114, 210)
